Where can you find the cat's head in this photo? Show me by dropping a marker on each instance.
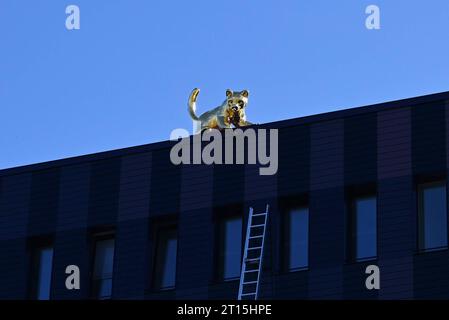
(236, 100)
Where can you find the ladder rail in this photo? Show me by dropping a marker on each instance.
(245, 253)
(261, 253)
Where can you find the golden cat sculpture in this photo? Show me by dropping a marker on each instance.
(230, 113)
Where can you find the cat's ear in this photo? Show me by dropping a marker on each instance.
(229, 93)
(245, 93)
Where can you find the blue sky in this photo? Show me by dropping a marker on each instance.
(123, 79)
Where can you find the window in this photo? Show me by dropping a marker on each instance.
(432, 216)
(230, 248)
(364, 228)
(103, 268)
(297, 238)
(42, 273)
(165, 265)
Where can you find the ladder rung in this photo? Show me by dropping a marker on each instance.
(255, 248)
(258, 225)
(252, 260)
(248, 294)
(255, 237)
(249, 282)
(260, 214)
(251, 271)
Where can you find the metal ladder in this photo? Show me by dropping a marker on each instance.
(253, 255)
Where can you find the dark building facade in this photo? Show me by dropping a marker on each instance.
(357, 187)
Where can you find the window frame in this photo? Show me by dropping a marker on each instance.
(35, 268)
(156, 248)
(33, 244)
(352, 239)
(103, 236)
(219, 245)
(420, 215)
(286, 236)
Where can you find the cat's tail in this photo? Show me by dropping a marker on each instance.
(192, 104)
